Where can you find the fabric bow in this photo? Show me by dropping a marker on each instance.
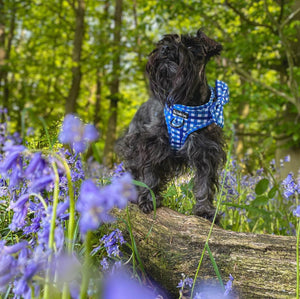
(222, 98)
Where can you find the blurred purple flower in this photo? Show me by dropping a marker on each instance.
(15, 248)
(8, 267)
(120, 286)
(42, 182)
(296, 212)
(34, 164)
(122, 190)
(94, 203)
(92, 207)
(20, 208)
(75, 133)
(30, 131)
(65, 268)
(104, 263)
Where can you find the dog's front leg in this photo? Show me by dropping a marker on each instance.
(151, 178)
(204, 191)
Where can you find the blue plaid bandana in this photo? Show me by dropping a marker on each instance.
(183, 120)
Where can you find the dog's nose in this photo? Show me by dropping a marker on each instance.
(164, 49)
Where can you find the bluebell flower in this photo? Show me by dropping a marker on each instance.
(33, 164)
(10, 162)
(15, 248)
(65, 268)
(186, 282)
(94, 203)
(75, 133)
(119, 169)
(41, 183)
(30, 131)
(20, 208)
(122, 190)
(112, 241)
(289, 186)
(92, 207)
(120, 286)
(8, 267)
(296, 212)
(104, 263)
(228, 286)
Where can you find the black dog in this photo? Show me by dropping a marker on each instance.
(179, 127)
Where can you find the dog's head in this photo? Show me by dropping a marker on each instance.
(176, 67)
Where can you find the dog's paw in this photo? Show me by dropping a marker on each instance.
(146, 206)
(208, 214)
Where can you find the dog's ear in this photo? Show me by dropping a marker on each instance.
(212, 48)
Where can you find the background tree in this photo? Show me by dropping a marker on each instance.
(114, 86)
(42, 75)
(79, 11)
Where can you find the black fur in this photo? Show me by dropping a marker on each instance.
(176, 68)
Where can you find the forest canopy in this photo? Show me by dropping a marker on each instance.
(89, 57)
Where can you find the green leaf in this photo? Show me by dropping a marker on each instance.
(272, 192)
(262, 186)
(213, 261)
(260, 201)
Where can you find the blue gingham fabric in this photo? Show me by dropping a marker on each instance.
(182, 120)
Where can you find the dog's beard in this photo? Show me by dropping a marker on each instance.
(165, 75)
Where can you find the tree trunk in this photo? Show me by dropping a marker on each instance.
(97, 112)
(2, 40)
(71, 102)
(114, 88)
(5, 51)
(263, 266)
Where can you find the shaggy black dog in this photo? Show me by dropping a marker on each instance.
(180, 127)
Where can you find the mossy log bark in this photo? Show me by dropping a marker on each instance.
(264, 266)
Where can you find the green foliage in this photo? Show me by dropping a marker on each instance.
(249, 203)
(259, 62)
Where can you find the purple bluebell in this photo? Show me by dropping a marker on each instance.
(65, 268)
(75, 133)
(119, 169)
(42, 183)
(92, 207)
(33, 164)
(15, 248)
(20, 208)
(104, 263)
(186, 282)
(94, 204)
(62, 208)
(112, 241)
(10, 161)
(30, 131)
(289, 186)
(228, 286)
(90, 133)
(296, 212)
(120, 286)
(8, 268)
(122, 190)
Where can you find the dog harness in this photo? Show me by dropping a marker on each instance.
(183, 120)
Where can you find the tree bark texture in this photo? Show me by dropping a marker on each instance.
(71, 102)
(114, 87)
(263, 266)
(6, 39)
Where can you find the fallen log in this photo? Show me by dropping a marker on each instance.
(263, 266)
